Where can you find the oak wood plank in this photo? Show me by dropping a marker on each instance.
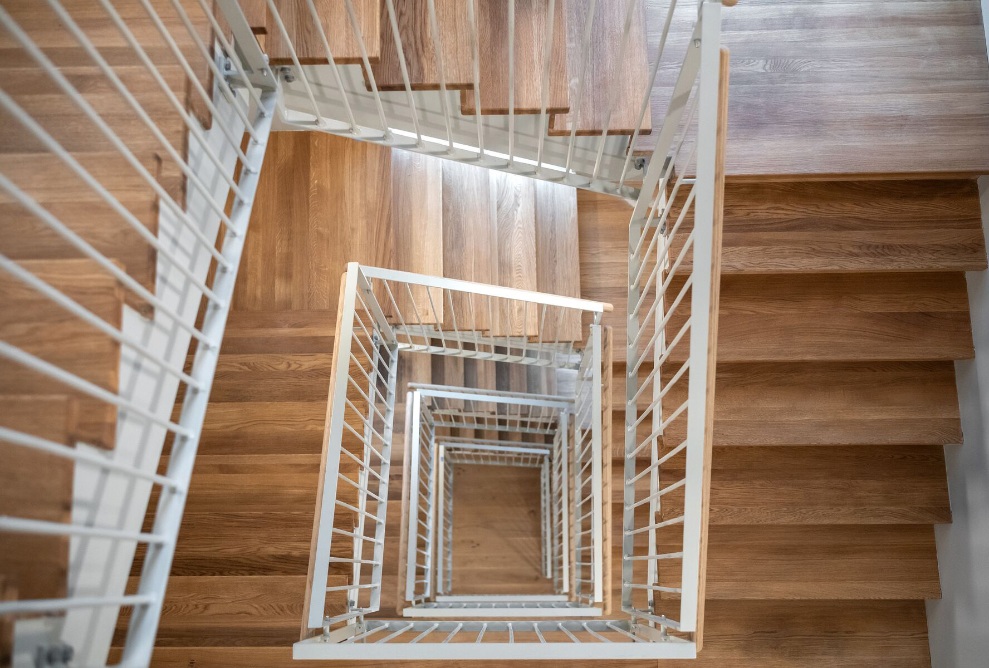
(557, 257)
(305, 37)
(470, 233)
(416, 35)
(532, 22)
(606, 97)
(515, 212)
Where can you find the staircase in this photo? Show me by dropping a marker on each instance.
(117, 164)
(835, 393)
(479, 279)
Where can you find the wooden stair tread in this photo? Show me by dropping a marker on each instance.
(62, 118)
(47, 179)
(470, 233)
(921, 316)
(814, 562)
(557, 256)
(833, 561)
(36, 486)
(514, 203)
(854, 484)
(600, 83)
(412, 17)
(256, 13)
(857, 226)
(827, 403)
(532, 21)
(25, 237)
(306, 39)
(872, 402)
(271, 377)
(417, 225)
(60, 338)
(335, 190)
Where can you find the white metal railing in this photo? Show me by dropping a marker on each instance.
(384, 314)
(426, 116)
(398, 314)
(196, 242)
(674, 246)
(431, 486)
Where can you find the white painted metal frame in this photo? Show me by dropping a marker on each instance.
(381, 313)
(430, 498)
(195, 235)
(665, 444)
(560, 640)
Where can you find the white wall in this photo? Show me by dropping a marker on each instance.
(958, 624)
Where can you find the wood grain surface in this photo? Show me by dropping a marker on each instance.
(606, 98)
(305, 37)
(845, 87)
(532, 23)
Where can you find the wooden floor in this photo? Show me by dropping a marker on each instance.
(845, 86)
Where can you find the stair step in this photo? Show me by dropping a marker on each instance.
(47, 179)
(271, 377)
(36, 486)
(261, 427)
(280, 332)
(470, 236)
(60, 338)
(59, 45)
(24, 237)
(857, 226)
(600, 84)
(514, 202)
(305, 37)
(417, 226)
(532, 22)
(920, 316)
(557, 257)
(256, 13)
(825, 403)
(39, 96)
(337, 193)
(412, 17)
(769, 485)
(836, 562)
